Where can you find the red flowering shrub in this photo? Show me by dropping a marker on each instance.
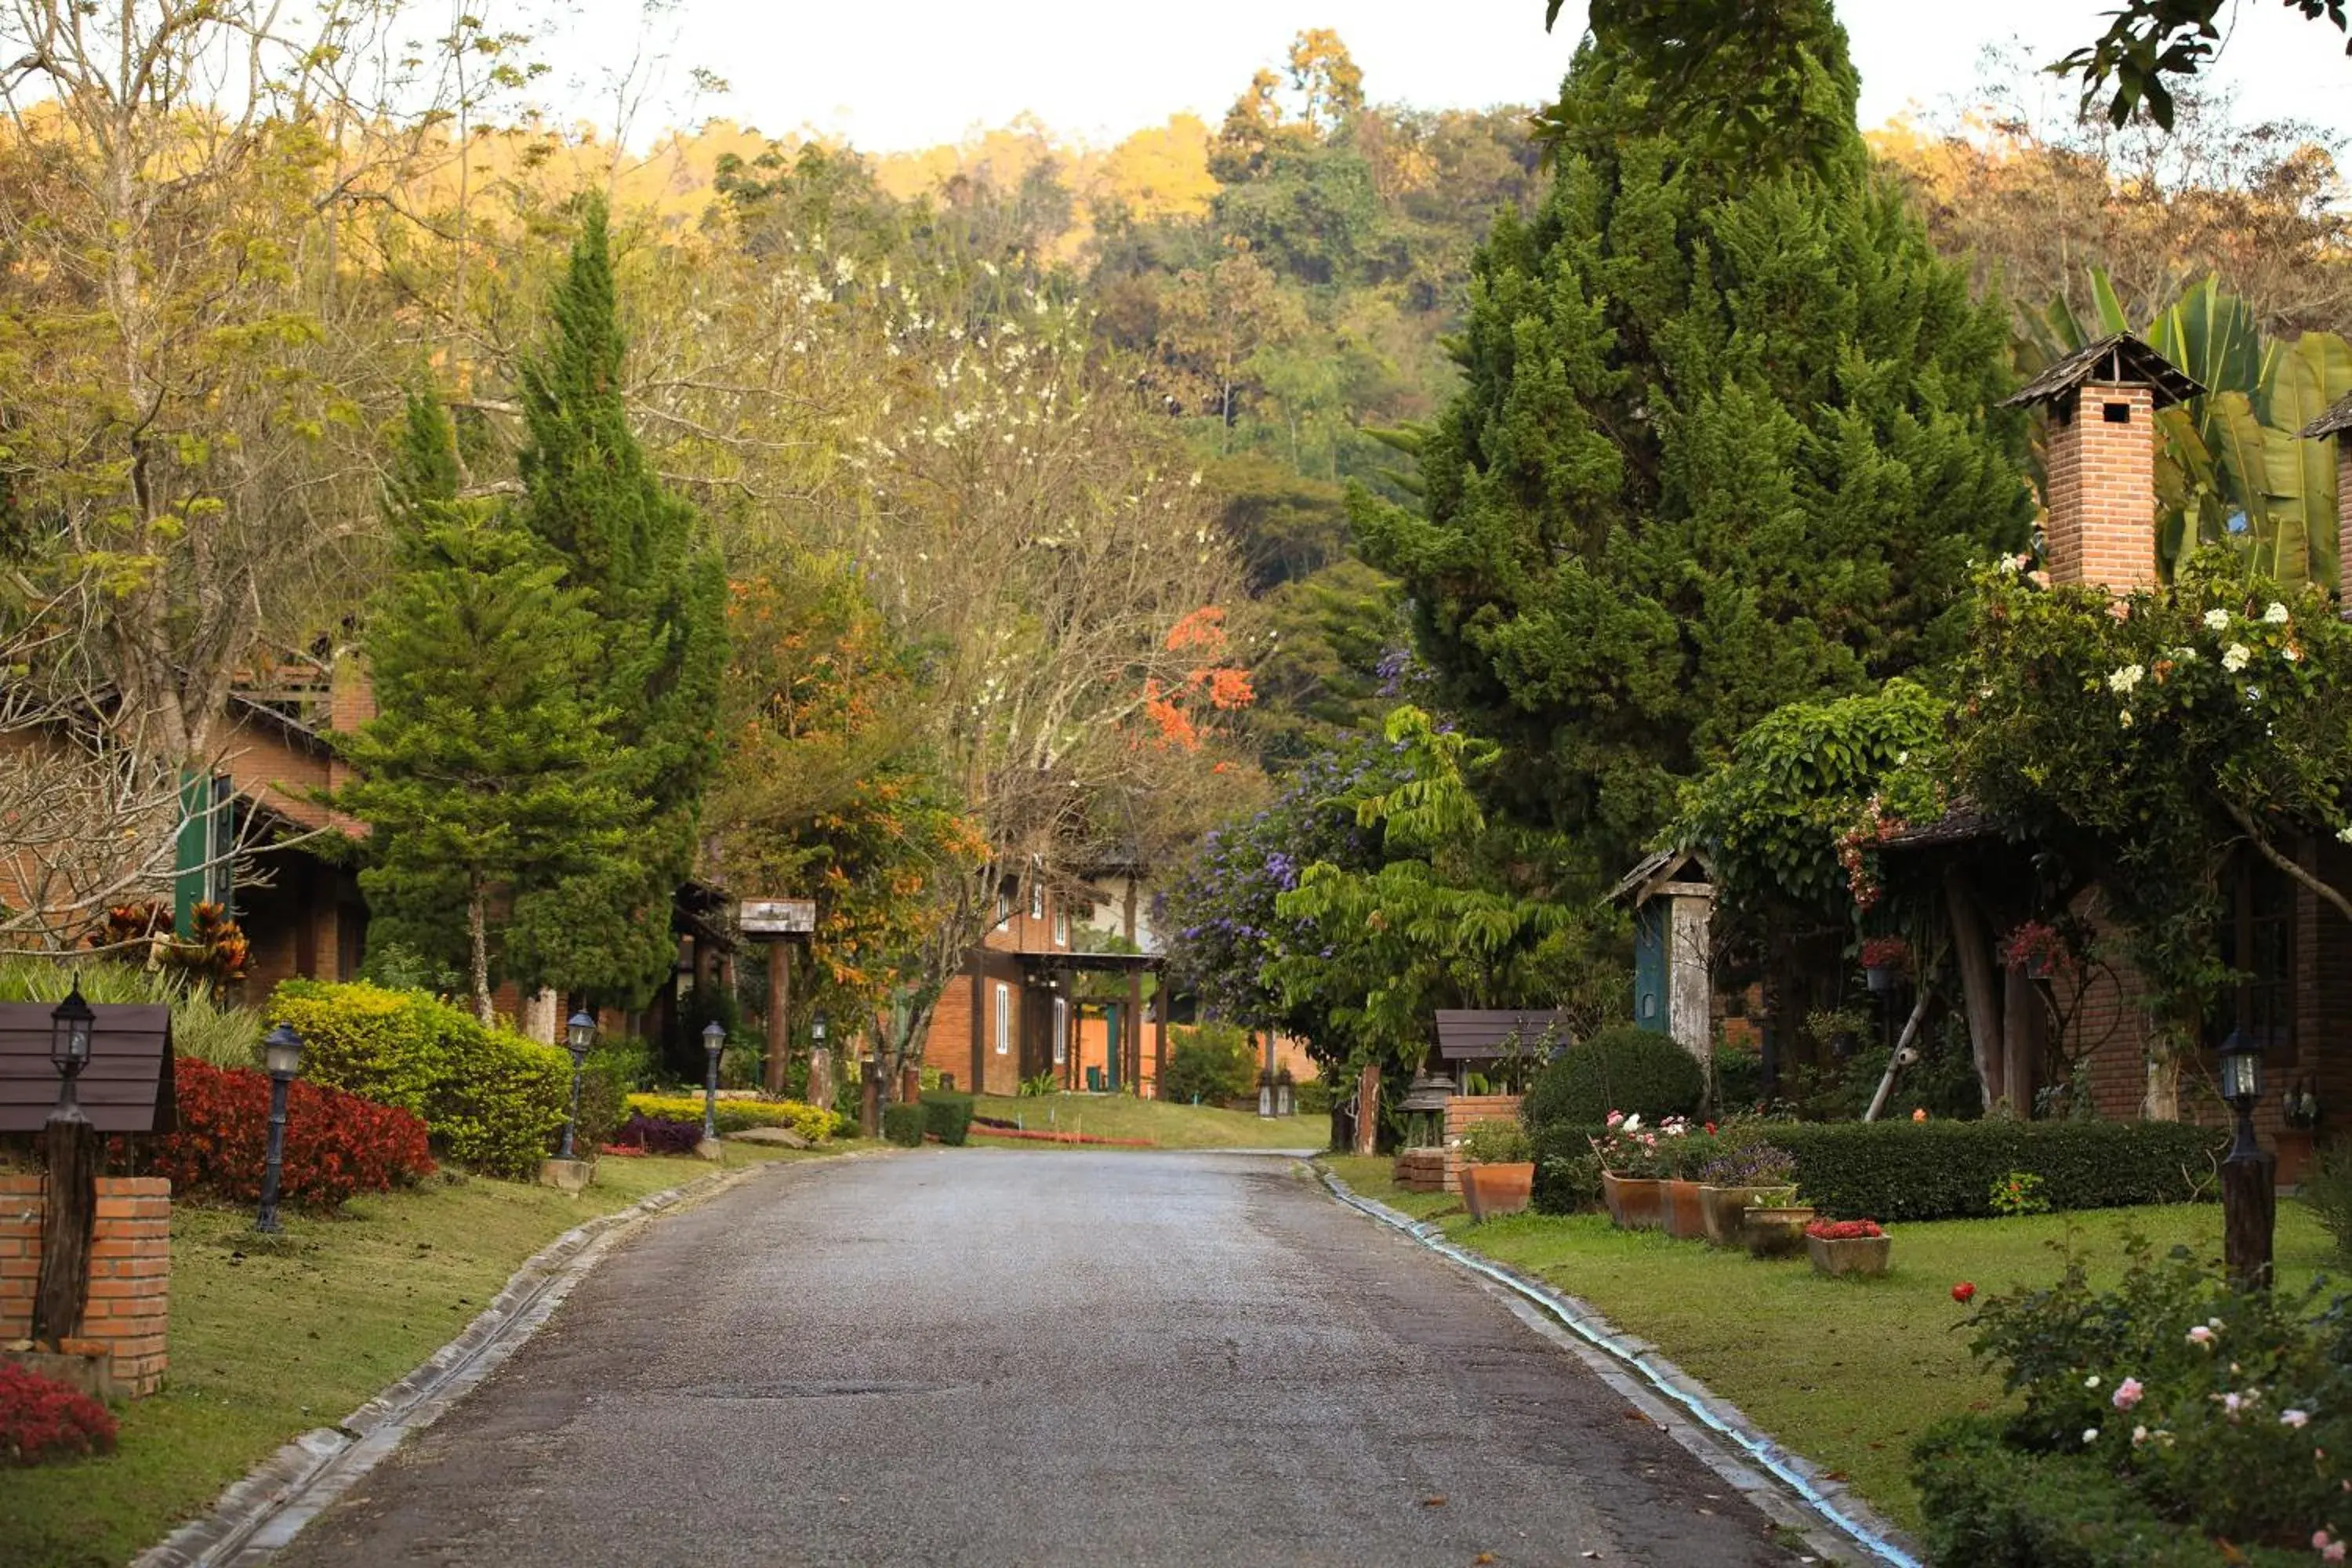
(41, 1420)
(336, 1143)
(1844, 1230)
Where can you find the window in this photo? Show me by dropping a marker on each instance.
(1004, 910)
(1004, 1018)
(1061, 1030)
(2257, 940)
(1036, 901)
(1061, 927)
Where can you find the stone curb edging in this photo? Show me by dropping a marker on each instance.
(260, 1514)
(1788, 1487)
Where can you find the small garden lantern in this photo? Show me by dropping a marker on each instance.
(816, 1032)
(69, 1031)
(281, 1056)
(579, 1036)
(1424, 1112)
(714, 1038)
(2248, 1198)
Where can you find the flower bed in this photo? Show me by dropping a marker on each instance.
(337, 1144)
(42, 1419)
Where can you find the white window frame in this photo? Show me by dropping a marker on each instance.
(1061, 1031)
(1061, 926)
(1036, 901)
(1003, 911)
(1003, 1019)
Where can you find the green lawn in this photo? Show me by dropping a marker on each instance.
(1847, 1372)
(1168, 1126)
(270, 1339)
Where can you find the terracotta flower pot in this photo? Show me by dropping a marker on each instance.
(1488, 1190)
(1854, 1254)
(1777, 1231)
(1726, 1209)
(1635, 1203)
(1685, 1211)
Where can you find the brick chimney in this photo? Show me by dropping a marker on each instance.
(2099, 459)
(2338, 422)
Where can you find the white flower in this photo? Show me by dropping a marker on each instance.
(2127, 718)
(2234, 656)
(2297, 1420)
(2139, 1434)
(2215, 620)
(2090, 1434)
(2276, 614)
(2344, 835)
(2127, 677)
(2184, 655)
(2092, 1381)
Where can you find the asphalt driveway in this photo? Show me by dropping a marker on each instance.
(981, 1356)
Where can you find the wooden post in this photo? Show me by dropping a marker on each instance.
(979, 1026)
(2249, 1217)
(779, 1006)
(1134, 1031)
(68, 1222)
(1160, 1037)
(1368, 1109)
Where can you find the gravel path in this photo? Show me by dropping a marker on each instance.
(1032, 1357)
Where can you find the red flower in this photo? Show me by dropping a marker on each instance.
(1844, 1230)
(1962, 1291)
(41, 1418)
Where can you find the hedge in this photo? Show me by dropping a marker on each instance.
(810, 1122)
(337, 1144)
(947, 1117)
(492, 1098)
(1946, 1170)
(1621, 1068)
(903, 1125)
(1989, 1506)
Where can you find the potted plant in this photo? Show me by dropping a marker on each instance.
(1681, 1156)
(1734, 1176)
(1884, 960)
(1498, 1168)
(2038, 952)
(1632, 1165)
(1848, 1246)
(1773, 1225)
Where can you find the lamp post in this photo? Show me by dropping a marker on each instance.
(69, 1029)
(714, 1036)
(820, 1074)
(281, 1054)
(2249, 1195)
(579, 1034)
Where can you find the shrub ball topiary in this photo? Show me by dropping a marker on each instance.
(1621, 1068)
(947, 1117)
(903, 1125)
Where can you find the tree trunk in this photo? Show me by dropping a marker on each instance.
(69, 1223)
(2161, 1101)
(2020, 1008)
(1980, 990)
(477, 926)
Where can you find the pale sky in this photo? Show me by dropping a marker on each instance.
(913, 73)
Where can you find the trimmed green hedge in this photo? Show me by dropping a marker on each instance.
(903, 1125)
(947, 1117)
(1620, 1068)
(492, 1098)
(1989, 1506)
(1568, 1173)
(1946, 1170)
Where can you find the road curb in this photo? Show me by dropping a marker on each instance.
(1788, 1487)
(261, 1513)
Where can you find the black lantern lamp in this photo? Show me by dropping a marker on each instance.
(579, 1034)
(281, 1056)
(1425, 1111)
(2242, 1088)
(817, 1031)
(714, 1038)
(70, 1030)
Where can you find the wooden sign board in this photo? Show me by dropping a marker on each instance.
(126, 1088)
(776, 917)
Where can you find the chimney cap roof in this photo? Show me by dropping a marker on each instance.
(2335, 421)
(2121, 360)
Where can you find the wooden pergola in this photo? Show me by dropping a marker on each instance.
(1049, 971)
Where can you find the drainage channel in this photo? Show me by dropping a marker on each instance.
(1762, 1454)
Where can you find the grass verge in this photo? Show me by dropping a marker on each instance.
(1166, 1125)
(1847, 1372)
(272, 1336)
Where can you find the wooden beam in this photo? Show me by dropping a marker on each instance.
(780, 1004)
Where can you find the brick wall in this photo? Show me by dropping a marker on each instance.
(2101, 499)
(1462, 1111)
(130, 1272)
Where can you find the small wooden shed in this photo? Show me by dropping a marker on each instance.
(1672, 894)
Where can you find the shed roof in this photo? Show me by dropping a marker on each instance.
(2334, 422)
(2119, 359)
(1478, 1034)
(1660, 865)
(127, 1087)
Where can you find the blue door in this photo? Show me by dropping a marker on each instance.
(1650, 966)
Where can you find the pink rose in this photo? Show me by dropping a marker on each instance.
(2127, 1394)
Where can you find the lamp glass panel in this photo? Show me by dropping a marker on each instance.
(283, 1056)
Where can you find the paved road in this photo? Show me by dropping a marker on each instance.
(1036, 1357)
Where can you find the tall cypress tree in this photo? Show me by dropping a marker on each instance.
(1727, 438)
(481, 774)
(637, 555)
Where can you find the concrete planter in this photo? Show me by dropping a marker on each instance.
(1504, 1187)
(1635, 1203)
(1854, 1255)
(1686, 1212)
(1726, 1209)
(1776, 1231)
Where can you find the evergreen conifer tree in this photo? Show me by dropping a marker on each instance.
(635, 556)
(1728, 439)
(481, 774)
